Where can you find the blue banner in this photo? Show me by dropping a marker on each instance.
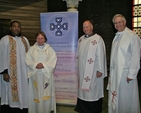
(61, 29)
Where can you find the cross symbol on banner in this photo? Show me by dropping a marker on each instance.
(90, 61)
(94, 42)
(59, 26)
(114, 94)
(87, 79)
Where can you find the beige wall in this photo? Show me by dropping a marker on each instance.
(27, 12)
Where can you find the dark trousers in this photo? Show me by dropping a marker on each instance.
(8, 109)
(88, 106)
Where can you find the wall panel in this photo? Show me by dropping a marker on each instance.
(27, 12)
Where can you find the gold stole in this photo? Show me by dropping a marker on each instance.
(25, 43)
(13, 67)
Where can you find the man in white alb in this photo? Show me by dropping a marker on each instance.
(124, 67)
(13, 81)
(92, 68)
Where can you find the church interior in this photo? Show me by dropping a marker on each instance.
(99, 11)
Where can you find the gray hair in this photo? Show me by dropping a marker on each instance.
(118, 15)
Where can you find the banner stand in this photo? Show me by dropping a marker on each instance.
(61, 29)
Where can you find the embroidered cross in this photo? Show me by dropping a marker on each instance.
(46, 85)
(87, 79)
(94, 42)
(90, 61)
(114, 94)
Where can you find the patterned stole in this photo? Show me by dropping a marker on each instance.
(13, 67)
(25, 43)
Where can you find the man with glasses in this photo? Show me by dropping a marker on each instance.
(124, 67)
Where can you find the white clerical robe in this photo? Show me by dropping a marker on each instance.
(41, 81)
(86, 46)
(21, 69)
(125, 62)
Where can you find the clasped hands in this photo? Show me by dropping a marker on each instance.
(39, 66)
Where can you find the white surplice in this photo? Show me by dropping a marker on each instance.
(98, 57)
(22, 81)
(41, 81)
(124, 62)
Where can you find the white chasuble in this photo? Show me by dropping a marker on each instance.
(124, 62)
(41, 81)
(91, 57)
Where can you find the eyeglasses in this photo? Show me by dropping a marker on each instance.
(119, 22)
